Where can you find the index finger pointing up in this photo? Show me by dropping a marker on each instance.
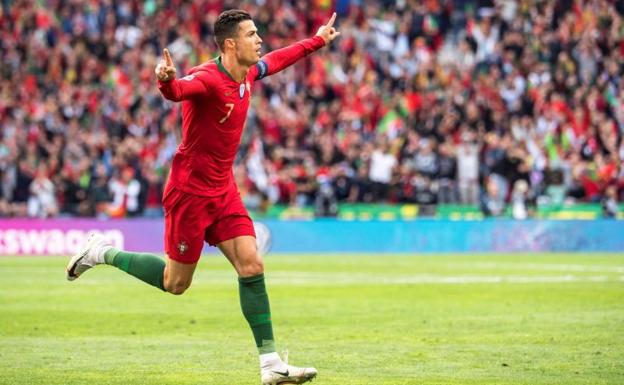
(167, 56)
(330, 23)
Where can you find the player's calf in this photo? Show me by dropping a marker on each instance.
(147, 267)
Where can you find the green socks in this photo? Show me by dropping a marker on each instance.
(148, 268)
(255, 305)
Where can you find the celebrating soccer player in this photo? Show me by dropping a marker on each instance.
(201, 201)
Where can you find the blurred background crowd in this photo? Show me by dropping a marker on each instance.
(496, 104)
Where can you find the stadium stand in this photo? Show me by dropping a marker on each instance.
(503, 106)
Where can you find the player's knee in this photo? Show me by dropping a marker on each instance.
(252, 268)
(177, 287)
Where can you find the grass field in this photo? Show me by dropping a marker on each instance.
(360, 319)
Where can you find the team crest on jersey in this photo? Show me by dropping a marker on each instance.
(182, 247)
(241, 90)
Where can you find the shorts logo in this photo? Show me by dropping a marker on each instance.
(182, 247)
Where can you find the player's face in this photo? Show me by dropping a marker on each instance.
(248, 43)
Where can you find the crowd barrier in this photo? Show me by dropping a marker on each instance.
(64, 236)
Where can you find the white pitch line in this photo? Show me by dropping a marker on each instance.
(416, 280)
(550, 267)
(341, 279)
(371, 279)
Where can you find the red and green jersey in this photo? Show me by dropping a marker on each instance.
(214, 109)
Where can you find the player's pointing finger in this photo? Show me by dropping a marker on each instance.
(330, 23)
(167, 56)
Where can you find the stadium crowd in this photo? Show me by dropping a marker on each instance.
(492, 103)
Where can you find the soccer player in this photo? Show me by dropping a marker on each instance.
(201, 201)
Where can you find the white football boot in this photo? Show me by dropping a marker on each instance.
(287, 374)
(91, 254)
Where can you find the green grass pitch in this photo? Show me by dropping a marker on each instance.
(360, 319)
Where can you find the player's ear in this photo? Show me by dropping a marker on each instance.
(231, 43)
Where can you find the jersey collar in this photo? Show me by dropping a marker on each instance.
(222, 68)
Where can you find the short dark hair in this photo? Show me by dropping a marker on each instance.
(226, 26)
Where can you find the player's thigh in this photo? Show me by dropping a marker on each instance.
(186, 218)
(242, 253)
(233, 232)
(233, 220)
(178, 276)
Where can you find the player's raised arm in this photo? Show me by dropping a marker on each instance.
(282, 58)
(174, 89)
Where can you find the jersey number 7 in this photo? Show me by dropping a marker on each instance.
(231, 107)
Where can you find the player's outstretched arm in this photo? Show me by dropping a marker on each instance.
(282, 58)
(174, 89)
